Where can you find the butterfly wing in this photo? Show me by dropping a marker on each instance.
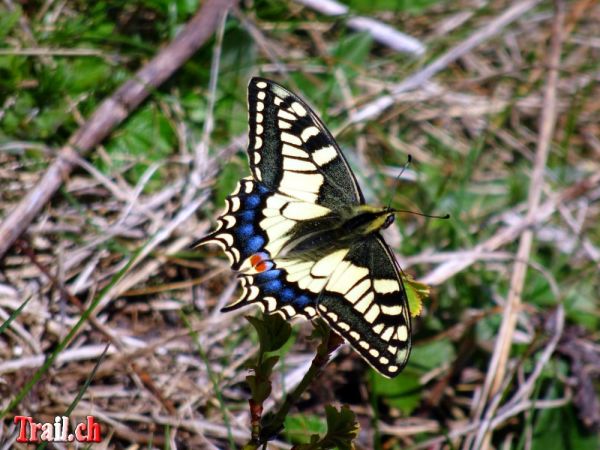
(251, 231)
(364, 300)
(238, 230)
(292, 152)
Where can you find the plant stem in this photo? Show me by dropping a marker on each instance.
(331, 341)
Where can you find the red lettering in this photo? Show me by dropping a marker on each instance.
(22, 421)
(80, 432)
(93, 429)
(35, 427)
(89, 431)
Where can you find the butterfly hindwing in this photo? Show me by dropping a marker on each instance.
(365, 301)
(275, 295)
(251, 231)
(291, 151)
(238, 231)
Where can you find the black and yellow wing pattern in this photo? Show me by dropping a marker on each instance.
(301, 238)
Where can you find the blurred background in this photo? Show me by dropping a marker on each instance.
(498, 102)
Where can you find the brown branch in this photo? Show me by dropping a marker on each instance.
(111, 113)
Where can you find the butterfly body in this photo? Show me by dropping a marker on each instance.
(302, 239)
(338, 229)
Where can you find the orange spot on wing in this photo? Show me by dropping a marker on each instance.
(261, 266)
(255, 260)
(260, 262)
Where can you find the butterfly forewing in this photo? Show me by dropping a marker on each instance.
(291, 151)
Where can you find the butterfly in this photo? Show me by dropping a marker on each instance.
(302, 239)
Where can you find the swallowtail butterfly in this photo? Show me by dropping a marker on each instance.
(302, 239)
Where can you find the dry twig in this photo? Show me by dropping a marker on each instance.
(381, 32)
(497, 366)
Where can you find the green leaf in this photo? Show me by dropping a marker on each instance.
(371, 6)
(273, 331)
(402, 392)
(259, 382)
(433, 354)
(342, 428)
(146, 137)
(300, 427)
(416, 293)
(187, 6)
(259, 389)
(86, 74)
(353, 50)
(559, 429)
(228, 178)
(49, 120)
(581, 306)
(8, 21)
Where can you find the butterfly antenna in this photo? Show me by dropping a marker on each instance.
(391, 197)
(430, 216)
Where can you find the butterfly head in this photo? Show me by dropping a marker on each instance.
(383, 217)
(389, 218)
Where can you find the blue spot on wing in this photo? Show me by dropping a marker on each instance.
(250, 239)
(254, 244)
(252, 201)
(269, 275)
(302, 301)
(273, 286)
(287, 295)
(273, 283)
(246, 230)
(248, 215)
